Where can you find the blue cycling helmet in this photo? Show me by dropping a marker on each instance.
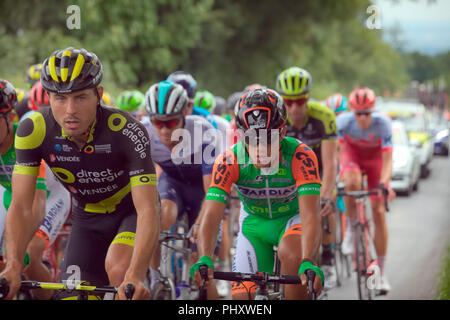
(186, 80)
(165, 98)
(337, 102)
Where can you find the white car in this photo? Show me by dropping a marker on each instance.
(416, 120)
(406, 160)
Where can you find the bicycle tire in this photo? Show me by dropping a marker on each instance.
(361, 265)
(339, 262)
(164, 290)
(339, 267)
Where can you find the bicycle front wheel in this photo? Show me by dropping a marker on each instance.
(364, 293)
(164, 291)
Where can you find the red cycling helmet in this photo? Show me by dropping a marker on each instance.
(38, 97)
(362, 99)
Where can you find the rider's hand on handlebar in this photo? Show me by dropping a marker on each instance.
(14, 281)
(383, 190)
(194, 270)
(318, 281)
(327, 207)
(140, 291)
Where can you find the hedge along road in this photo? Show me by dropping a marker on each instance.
(419, 228)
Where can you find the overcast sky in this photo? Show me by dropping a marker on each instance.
(425, 27)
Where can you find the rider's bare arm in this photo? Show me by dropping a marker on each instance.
(386, 169)
(147, 228)
(209, 228)
(311, 222)
(329, 165)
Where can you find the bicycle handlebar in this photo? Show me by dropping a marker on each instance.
(263, 277)
(167, 235)
(31, 285)
(4, 288)
(311, 276)
(203, 269)
(129, 291)
(364, 193)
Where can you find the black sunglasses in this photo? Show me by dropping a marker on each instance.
(363, 113)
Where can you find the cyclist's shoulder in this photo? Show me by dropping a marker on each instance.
(290, 143)
(290, 146)
(195, 123)
(222, 123)
(320, 111)
(39, 122)
(381, 118)
(345, 119)
(200, 112)
(118, 121)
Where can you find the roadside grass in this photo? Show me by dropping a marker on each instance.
(444, 278)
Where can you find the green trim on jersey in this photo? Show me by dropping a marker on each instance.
(217, 194)
(309, 189)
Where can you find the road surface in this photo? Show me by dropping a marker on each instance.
(419, 232)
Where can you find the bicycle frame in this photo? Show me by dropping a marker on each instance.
(170, 253)
(364, 225)
(362, 241)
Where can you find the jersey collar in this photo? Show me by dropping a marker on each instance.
(89, 133)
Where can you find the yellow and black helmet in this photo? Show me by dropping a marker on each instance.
(294, 83)
(70, 70)
(34, 74)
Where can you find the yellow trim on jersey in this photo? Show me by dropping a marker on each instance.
(108, 205)
(36, 137)
(90, 297)
(30, 171)
(124, 238)
(143, 179)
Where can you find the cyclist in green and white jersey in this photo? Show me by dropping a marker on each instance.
(280, 195)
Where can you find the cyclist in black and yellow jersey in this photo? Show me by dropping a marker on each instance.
(315, 125)
(102, 156)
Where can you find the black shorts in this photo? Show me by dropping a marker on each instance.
(90, 238)
(188, 197)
